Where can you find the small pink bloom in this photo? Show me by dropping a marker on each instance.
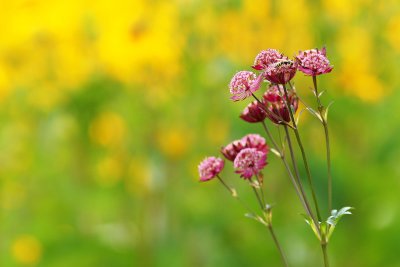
(266, 58)
(274, 100)
(209, 168)
(249, 162)
(254, 112)
(281, 72)
(255, 141)
(231, 150)
(313, 62)
(243, 84)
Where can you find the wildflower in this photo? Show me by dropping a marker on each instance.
(248, 141)
(249, 162)
(255, 141)
(266, 58)
(209, 168)
(243, 84)
(231, 150)
(313, 62)
(277, 110)
(254, 112)
(281, 71)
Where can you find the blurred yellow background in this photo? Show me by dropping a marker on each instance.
(107, 107)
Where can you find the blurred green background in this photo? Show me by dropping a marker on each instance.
(107, 107)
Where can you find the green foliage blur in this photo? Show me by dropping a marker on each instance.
(106, 109)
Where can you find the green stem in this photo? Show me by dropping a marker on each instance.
(258, 198)
(296, 170)
(271, 137)
(325, 252)
(303, 154)
(292, 179)
(234, 194)
(328, 149)
(277, 244)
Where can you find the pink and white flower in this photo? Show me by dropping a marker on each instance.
(313, 62)
(266, 58)
(244, 84)
(249, 162)
(209, 168)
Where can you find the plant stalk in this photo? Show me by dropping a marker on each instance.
(325, 252)
(307, 205)
(277, 244)
(303, 154)
(328, 149)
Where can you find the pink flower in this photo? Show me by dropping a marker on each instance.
(209, 168)
(313, 62)
(249, 162)
(243, 84)
(255, 141)
(232, 149)
(275, 104)
(266, 58)
(281, 71)
(248, 141)
(254, 112)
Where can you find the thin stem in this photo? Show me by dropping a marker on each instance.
(283, 257)
(307, 205)
(258, 198)
(303, 154)
(325, 252)
(270, 137)
(226, 186)
(328, 149)
(296, 182)
(234, 194)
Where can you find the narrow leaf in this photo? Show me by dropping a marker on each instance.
(326, 111)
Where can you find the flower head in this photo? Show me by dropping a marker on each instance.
(266, 58)
(249, 162)
(232, 149)
(254, 112)
(275, 103)
(248, 141)
(255, 141)
(243, 84)
(281, 71)
(209, 168)
(313, 62)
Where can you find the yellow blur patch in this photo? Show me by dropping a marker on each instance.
(217, 132)
(27, 249)
(140, 176)
(109, 171)
(108, 129)
(393, 32)
(174, 142)
(12, 194)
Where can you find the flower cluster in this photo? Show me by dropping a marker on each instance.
(277, 68)
(278, 104)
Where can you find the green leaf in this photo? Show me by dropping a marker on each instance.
(310, 222)
(326, 111)
(251, 216)
(314, 113)
(336, 215)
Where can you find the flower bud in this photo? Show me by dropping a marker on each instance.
(254, 112)
(275, 103)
